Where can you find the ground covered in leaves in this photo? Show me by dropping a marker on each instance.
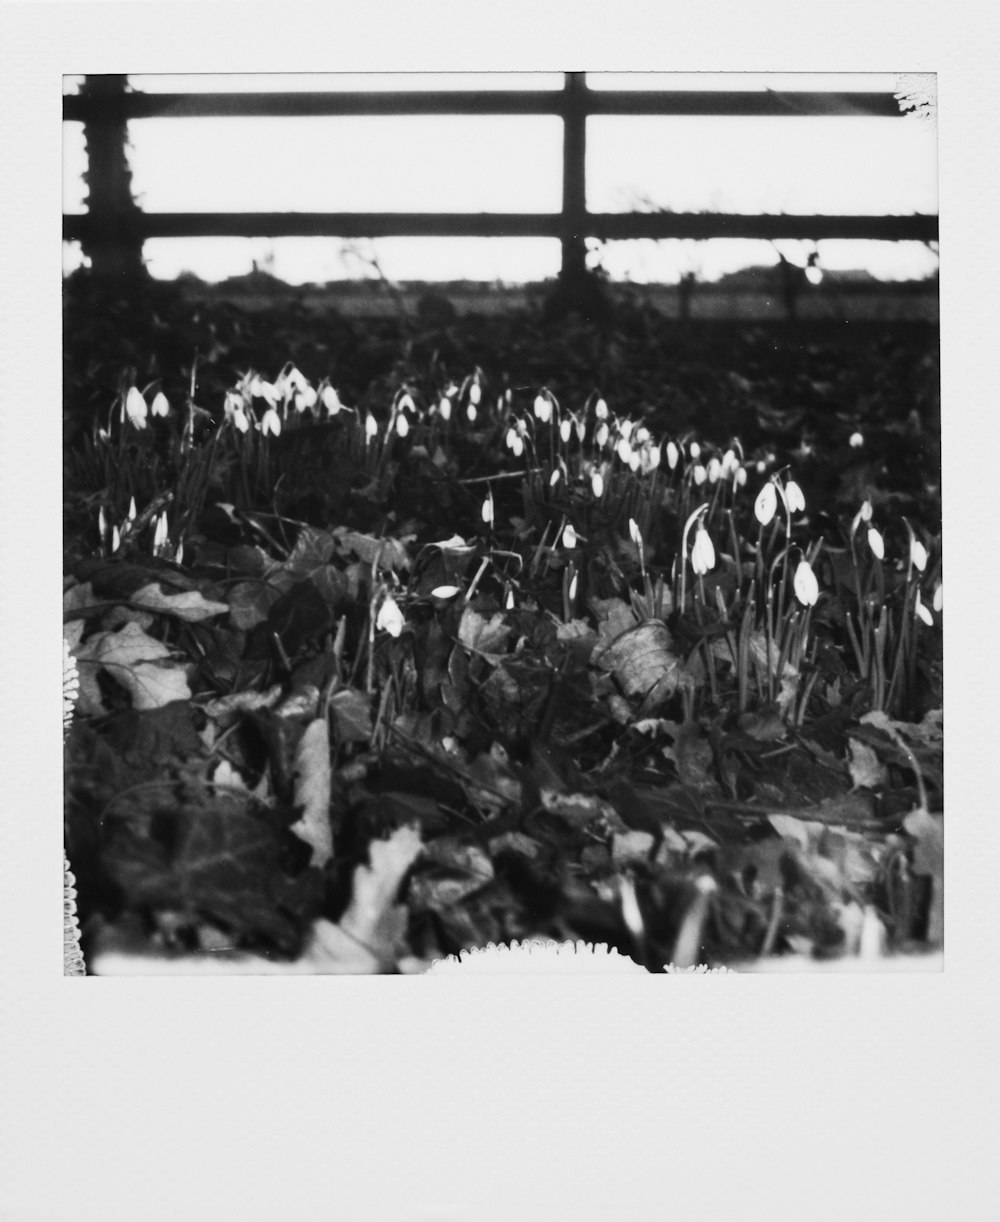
(399, 638)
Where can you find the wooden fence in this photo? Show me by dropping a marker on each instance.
(112, 232)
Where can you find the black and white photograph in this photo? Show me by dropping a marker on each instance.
(498, 461)
(502, 508)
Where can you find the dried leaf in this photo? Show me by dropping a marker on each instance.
(365, 941)
(139, 663)
(189, 605)
(486, 636)
(866, 769)
(312, 791)
(641, 661)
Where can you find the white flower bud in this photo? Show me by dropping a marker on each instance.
(634, 533)
(402, 424)
(601, 410)
(444, 408)
(654, 457)
(488, 510)
(922, 612)
(569, 535)
(805, 584)
(876, 543)
(270, 422)
(702, 551)
(694, 449)
(856, 441)
(597, 484)
(331, 400)
(714, 470)
(602, 434)
(699, 474)
(794, 496)
(390, 618)
(371, 427)
(135, 407)
(918, 555)
(673, 455)
(938, 601)
(766, 504)
(475, 392)
(471, 412)
(161, 405)
(740, 477)
(565, 430)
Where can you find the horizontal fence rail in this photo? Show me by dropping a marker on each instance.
(607, 226)
(113, 230)
(82, 108)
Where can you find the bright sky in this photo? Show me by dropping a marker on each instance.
(498, 163)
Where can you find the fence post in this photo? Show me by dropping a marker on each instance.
(574, 193)
(113, 242)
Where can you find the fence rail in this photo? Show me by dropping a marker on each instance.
(112, 232)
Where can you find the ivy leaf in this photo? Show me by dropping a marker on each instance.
(136, 661)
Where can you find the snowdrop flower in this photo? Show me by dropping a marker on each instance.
(161, 536)
(856, 441)
(270, 422)
(488, 510)
(761, 466)
(740, 478)
(294, 381)
(581, 430)
(702, 551)
(475, 393)
(654, 457)
(805, 584)
(918, 555)
(371, 427)
(116, 539)
(160, 405)
(179, 554)
(444, 408)
(269, 393)
(509, 600)
(510, 437)
(445, 591)
(518, 446)
(624, 449)
(729, 463)
(634, 533)
(543, 408)
(305, 399)
(569, 535)
(565, 430)
(471, 412)
(876, 543)
(714, 470)
(572, 588)
(240, 420)
(131, 515)
(602, 434)
(331, 400)
(597, 484)
(635, 462)
(601, 410)
(673, 455)
(641, 435)
(405, 403)
(135, 407)
(402, 424)
(390, 618)
(922, 612)
(938, 600)
(699, 474)
(864, 514)
(554, 477)
(694, 449)
(794, 496)
(102, 526)
(766, 504)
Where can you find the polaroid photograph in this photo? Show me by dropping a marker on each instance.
(501, 487)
